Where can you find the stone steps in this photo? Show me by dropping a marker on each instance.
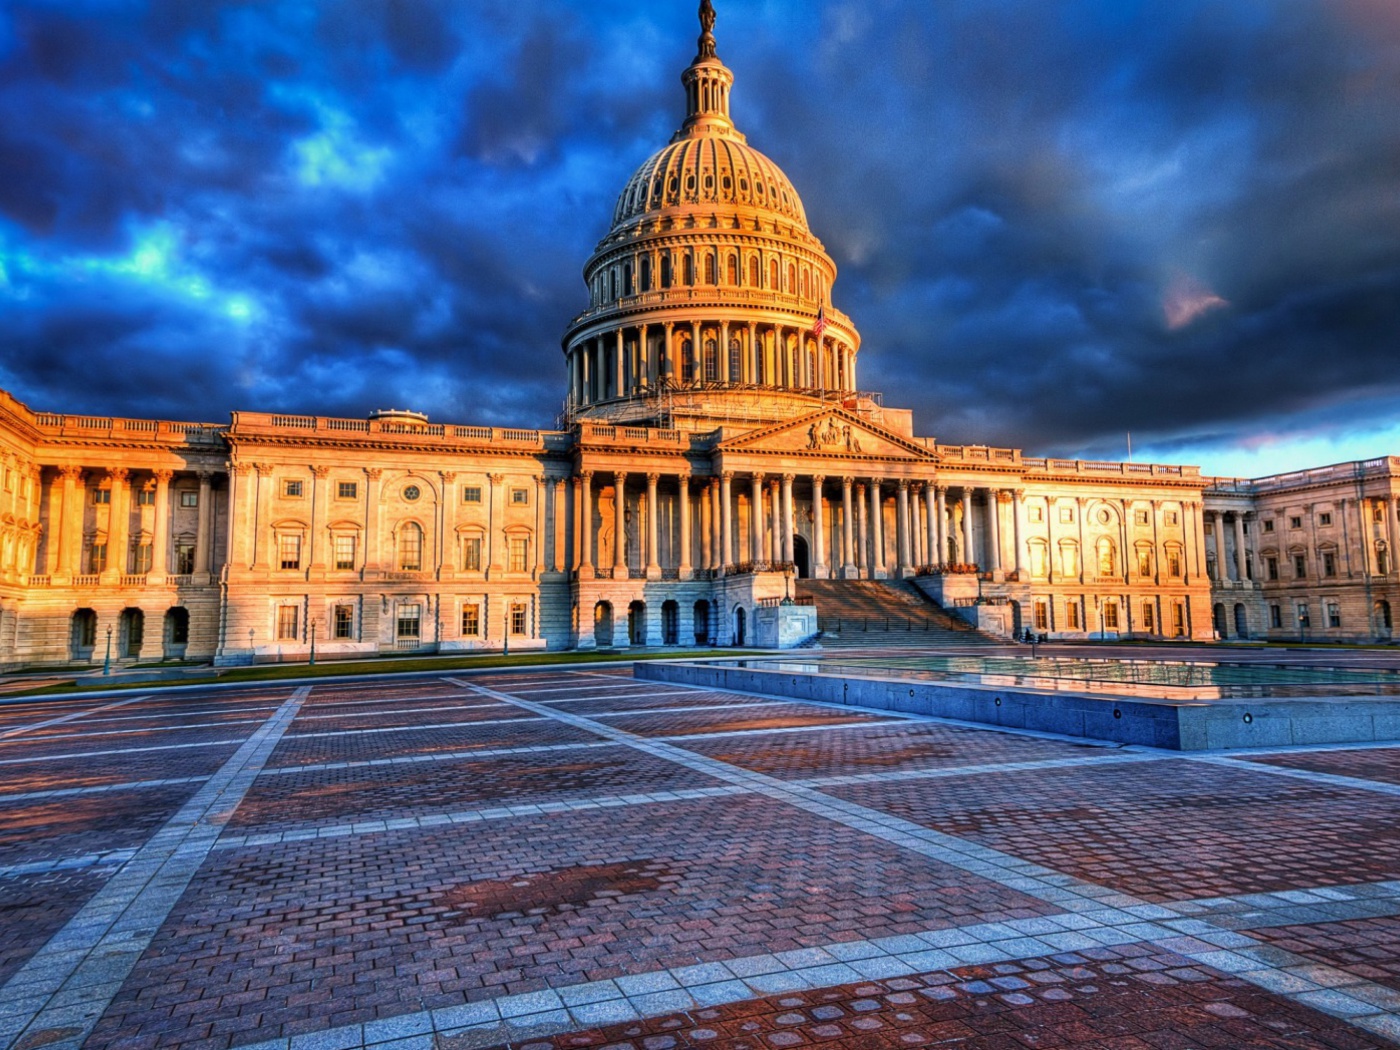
(885, 614)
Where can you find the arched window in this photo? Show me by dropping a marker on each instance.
(792, 279)
(1108, 561)
(804, 284)
(1040, 560)
(755, 278)
(709, 269)
(735, 360)
(773, 275)
(795, 378)
(711, 362)
(410, 547)
(646, 275)
(1069, 560)
(627, 279)
(689, 270)
(666, 271)
(733, 269)
(687, 362)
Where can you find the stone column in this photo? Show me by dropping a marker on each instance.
(588, 569)
(203, 540)
(70, 537)
(1018, 529)
(756, 518)
(789, 524)
(258, 519)
(933, 508)
(585, 374)
(620, 360)
(160, 534)
(862, 524)
(726, 519)
(707, 526)
(940, 534)
(877, 530)
(723, 351)
(993, 530)
(119, 522)
(1392, 535)
(556, 519)
(752, 377)
(685, 568)
(1241, 573)
(848, 560)
(653, 535)
(775, 530)
(917, 555)
(820, 570)
(317, 541)
(619, 526)
(495, 520)
(540, 526)
(969, 554)
(901, 528)
(697, 357)
(1222, 569)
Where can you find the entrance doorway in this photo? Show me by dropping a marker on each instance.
(702, 622)
(133, 632)
(1241, 622)
(1218, 616)
(670, 623)
(637, 623)
(738, 625)
(801, 558)
(603, 624)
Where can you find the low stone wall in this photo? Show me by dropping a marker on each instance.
(784, 626)
(1212, 725)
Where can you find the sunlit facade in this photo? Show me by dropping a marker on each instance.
(717, 443)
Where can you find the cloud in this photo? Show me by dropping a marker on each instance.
(1054, 222)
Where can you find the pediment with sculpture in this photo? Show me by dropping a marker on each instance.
(831, 433)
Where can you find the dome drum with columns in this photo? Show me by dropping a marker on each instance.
(709, 282)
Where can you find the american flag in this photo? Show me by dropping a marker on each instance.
(820, 326)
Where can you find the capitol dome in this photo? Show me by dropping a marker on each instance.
(709, 294)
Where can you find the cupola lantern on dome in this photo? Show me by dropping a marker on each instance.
(709, 287)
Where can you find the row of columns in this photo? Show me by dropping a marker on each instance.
(69, 494)
(1372, 532)
(610, 365)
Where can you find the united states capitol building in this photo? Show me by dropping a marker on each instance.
(717, 446)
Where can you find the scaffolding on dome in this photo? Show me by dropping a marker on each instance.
(742, 404)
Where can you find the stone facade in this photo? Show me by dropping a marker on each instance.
(717, 442)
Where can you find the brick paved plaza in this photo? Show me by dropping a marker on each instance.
(576, 858)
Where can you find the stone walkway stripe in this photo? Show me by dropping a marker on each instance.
(1327, 779)
(100, 789)
(71, 717)
(57, 997)
(122, 751)
(446, 756)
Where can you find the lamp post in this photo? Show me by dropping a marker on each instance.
(107, 661)
(252, 653)
(313, 642)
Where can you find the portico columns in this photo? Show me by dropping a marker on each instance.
(620, 360)
(723, 351)
(1222, 570)
(653, 566)
(968, 554)
(993, 530)
(756, 518)
(775, 539)
(686, 569)
(1016, 510)
(1241, 573)
(848, 562)
(726, 519)
(707, 527)
(70, 539)
(819, 566)
(261, 539)
(160, 539)
(933, 498)
(203, 548)
(901, 528)
(861, 550)
(789, 553)
(877, 530)
(619, 526)
(587, 569)
(752, 377)
(941, 523)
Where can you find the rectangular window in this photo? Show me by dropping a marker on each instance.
(347, 490)
(184, 559)
(1036, 514)
(411, 549)
(146, 498)
(1329, 563)
(1141, 517)
(1110, 616)
(291, 489)
(520, 497)
(1324, 519)
(1174, 564)
(1042, 616)
(1295, 523)
(471, 620)
(344, 621)
(408, 624)
(97, 557)
(1173, 518)
(1304, 616)
(287, 622)
(1334, 614)
(344, 546)
(1072, 616)
(189, 498)
(1271, 568)
(1378, 512)
(289, 550)
(1275, 616)
(471, 554)
(518, 619)
(141, 559)
(1269, 525)
(1066, 515)
(1144, 563)
(1149, 617)
(1178, 619)
(519, 554)
(102, 495)
(1300, 565)
(471, 494)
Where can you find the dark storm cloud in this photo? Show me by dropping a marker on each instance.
(1055, 222)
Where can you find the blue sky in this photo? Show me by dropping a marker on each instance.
(1056, 223)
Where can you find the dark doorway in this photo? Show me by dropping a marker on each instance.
(670, 623)
(702, 622)
(738, 625)
(603, 624)
(84, 634)
(800, 558)
(1218, 616)
(1241, 622)
(637, 623)
(177, 632)
(133, 632)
